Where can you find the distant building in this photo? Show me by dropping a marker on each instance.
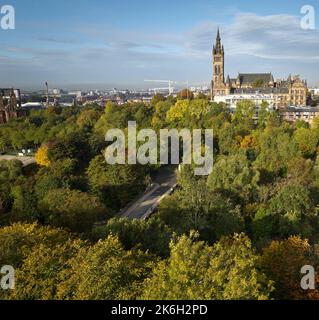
(10, 105)
(56, 92)
(76, 94)
(307, 114)
(292, 91)
(314, 92)
(231, 100)
(32, 105)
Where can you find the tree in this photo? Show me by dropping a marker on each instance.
(276, 149)
(38, 277)
(234, 173)
(159, 117)
(289, 212)
(185, 94)
(116, 184)
(177, 116)
(282, 262)
(73, 146)
(60, 174)
(195, 271)
(195, 207)
(263, 114)
(307, 141)
(202, 95)
(41, 157)
(105, 271)
(72, 209)
(88, 118)
(151, 234)
(244, 117)
(11, 174)
(24, 206)
(10, 171)
(227, 144)
(156, 99)
(199, 110)
(18, 240)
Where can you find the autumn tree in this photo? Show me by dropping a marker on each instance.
(156, 99)
(282, 262)
(105, 271)
(194, 271)
(307, 140)
(185, 94)
(17, 241)
(38, 278)
(88, 118)
(41, 156)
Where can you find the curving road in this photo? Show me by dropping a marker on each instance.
(143, 207)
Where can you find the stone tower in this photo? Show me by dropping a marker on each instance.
(218, 83)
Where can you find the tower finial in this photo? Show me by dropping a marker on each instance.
(218, 46)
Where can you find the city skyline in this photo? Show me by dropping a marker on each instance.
(100, 44)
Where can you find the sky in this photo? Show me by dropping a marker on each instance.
(87, 44)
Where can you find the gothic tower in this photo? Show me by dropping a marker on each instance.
(218, 60)
(218, 83)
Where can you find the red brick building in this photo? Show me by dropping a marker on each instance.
(10, 105)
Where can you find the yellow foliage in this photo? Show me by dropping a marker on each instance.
(178, 111)
(249, 142)
(41, 157)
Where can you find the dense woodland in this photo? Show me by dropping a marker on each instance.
(244, 232)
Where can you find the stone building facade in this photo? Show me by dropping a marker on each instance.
(287, 92)
(10, 105)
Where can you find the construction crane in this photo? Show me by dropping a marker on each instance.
(170, 85)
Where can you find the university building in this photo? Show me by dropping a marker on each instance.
(258, 87)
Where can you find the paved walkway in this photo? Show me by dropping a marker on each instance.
(25, 160)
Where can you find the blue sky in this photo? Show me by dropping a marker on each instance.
(106, 43)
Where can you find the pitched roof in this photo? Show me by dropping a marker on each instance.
(249, 78)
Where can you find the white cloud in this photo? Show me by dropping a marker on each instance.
(252, 43)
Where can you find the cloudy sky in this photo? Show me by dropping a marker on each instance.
(106, 43)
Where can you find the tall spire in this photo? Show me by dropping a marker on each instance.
(218, 48)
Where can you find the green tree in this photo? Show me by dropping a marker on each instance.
(18, 240)
(307, 141)
(105, 271)
(116, 185)
(88, 118)
(195, 271)
(38, 277)
(156, 99)
(235, 174)
(72, 209)
(152, 234)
